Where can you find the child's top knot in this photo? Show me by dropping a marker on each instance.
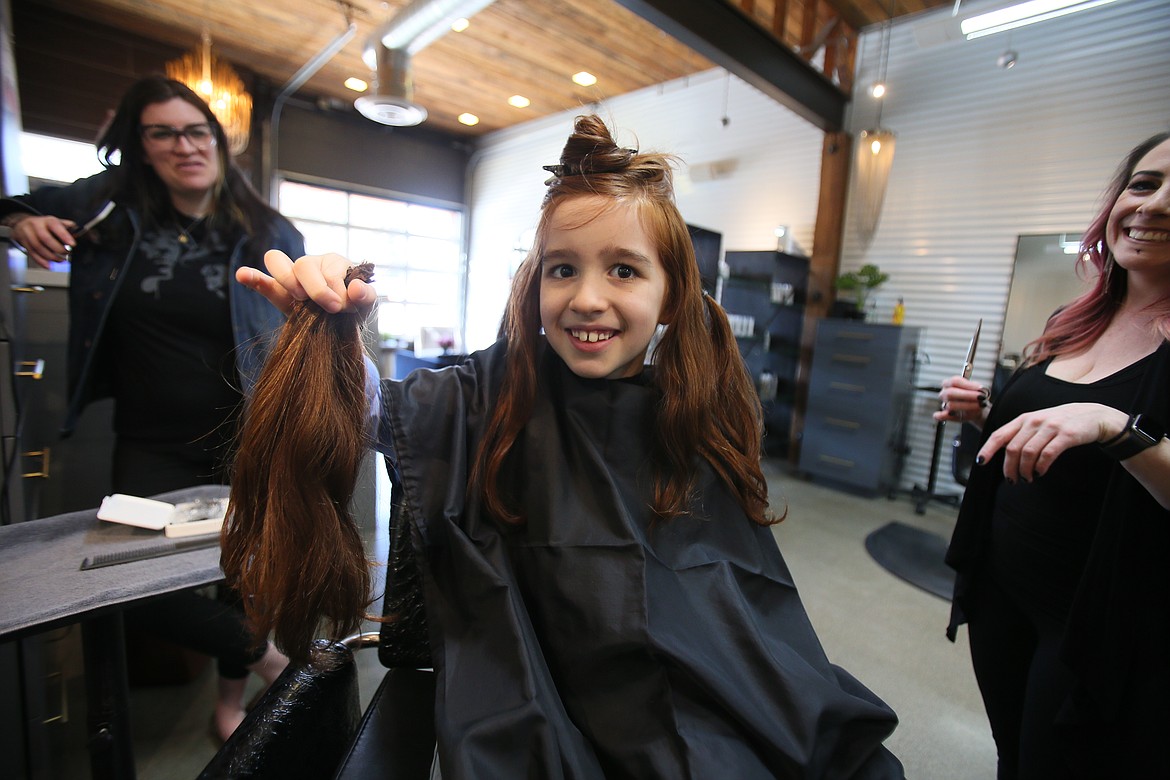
(611, 162)
(592, 163)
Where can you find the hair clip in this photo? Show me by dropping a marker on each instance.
(565, 169)
(562, 170)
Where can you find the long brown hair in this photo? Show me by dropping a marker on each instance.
(290, 547)
(707, 404)
(1082, 322)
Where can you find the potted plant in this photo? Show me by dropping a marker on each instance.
(857, 285)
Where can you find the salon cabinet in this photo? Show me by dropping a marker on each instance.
(24, 663)
(860, 391)
(764, 294)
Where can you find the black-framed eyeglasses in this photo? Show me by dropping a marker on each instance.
(200, 135)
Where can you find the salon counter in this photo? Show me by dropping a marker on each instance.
(43, 587)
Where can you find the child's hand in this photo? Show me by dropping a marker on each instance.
(320, 278)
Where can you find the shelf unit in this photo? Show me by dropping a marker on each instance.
(770, 288)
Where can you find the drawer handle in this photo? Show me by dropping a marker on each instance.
(44, 456)
(32, 368)
(860, 360)
(837, 461)
(838, 422)
(856, 335)
(847, 387)
(27, 288)
(63, 715)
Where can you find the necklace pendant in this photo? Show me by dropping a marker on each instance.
(182, 238)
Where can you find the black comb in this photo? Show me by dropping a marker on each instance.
(156, 550)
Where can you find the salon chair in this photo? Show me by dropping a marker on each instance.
(309, 722)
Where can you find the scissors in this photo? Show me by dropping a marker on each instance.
(78, 232)
(969, 363)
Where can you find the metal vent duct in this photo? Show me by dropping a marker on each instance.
(388, 54)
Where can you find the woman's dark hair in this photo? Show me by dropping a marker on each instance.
(1082, 322)
(234, 201)
(707, 405)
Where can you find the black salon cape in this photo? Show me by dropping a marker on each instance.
(585, 644)
(1117, 642)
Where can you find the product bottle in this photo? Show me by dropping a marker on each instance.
(899, 312)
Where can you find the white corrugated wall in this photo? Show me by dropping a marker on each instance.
(983, 155)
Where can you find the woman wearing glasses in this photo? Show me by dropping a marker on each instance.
(153, 242)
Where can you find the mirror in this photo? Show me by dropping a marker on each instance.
(1044, 278)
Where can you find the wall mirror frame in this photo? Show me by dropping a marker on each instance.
(1044, 278)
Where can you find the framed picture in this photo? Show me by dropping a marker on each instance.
(434, 341)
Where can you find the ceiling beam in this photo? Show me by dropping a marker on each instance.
(722, 34)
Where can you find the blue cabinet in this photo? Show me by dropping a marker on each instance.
(859, 397)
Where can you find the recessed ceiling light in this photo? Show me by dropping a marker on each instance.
(519, 101)
(585, 79)
(356, 84)
(459, 25)
(469, 119)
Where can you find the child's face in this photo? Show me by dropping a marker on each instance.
(602, 287)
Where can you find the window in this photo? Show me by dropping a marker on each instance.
(57, 160)
(416, 250)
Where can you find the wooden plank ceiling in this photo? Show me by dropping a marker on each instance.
(512, 47)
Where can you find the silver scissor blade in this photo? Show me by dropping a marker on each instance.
(972, 348)
(88, 226)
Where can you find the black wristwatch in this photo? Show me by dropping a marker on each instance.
(1140, 433)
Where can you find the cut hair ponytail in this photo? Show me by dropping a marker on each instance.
(290, 547)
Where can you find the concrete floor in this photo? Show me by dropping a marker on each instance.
(884, 631)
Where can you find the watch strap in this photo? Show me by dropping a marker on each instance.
(1140, 433)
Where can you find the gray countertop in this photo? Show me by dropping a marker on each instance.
(42, 585)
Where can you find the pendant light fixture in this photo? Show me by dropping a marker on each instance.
(875, 152)
(218, 83)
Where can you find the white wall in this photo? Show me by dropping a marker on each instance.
(983, 155)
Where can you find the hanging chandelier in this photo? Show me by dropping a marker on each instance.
(218, 84)
(875, 153)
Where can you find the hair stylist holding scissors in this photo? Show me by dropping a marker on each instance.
(1062, 537)
(155, 322)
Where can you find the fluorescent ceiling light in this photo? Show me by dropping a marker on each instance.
(1023, 13)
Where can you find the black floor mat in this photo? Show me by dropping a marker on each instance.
(914, 555)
